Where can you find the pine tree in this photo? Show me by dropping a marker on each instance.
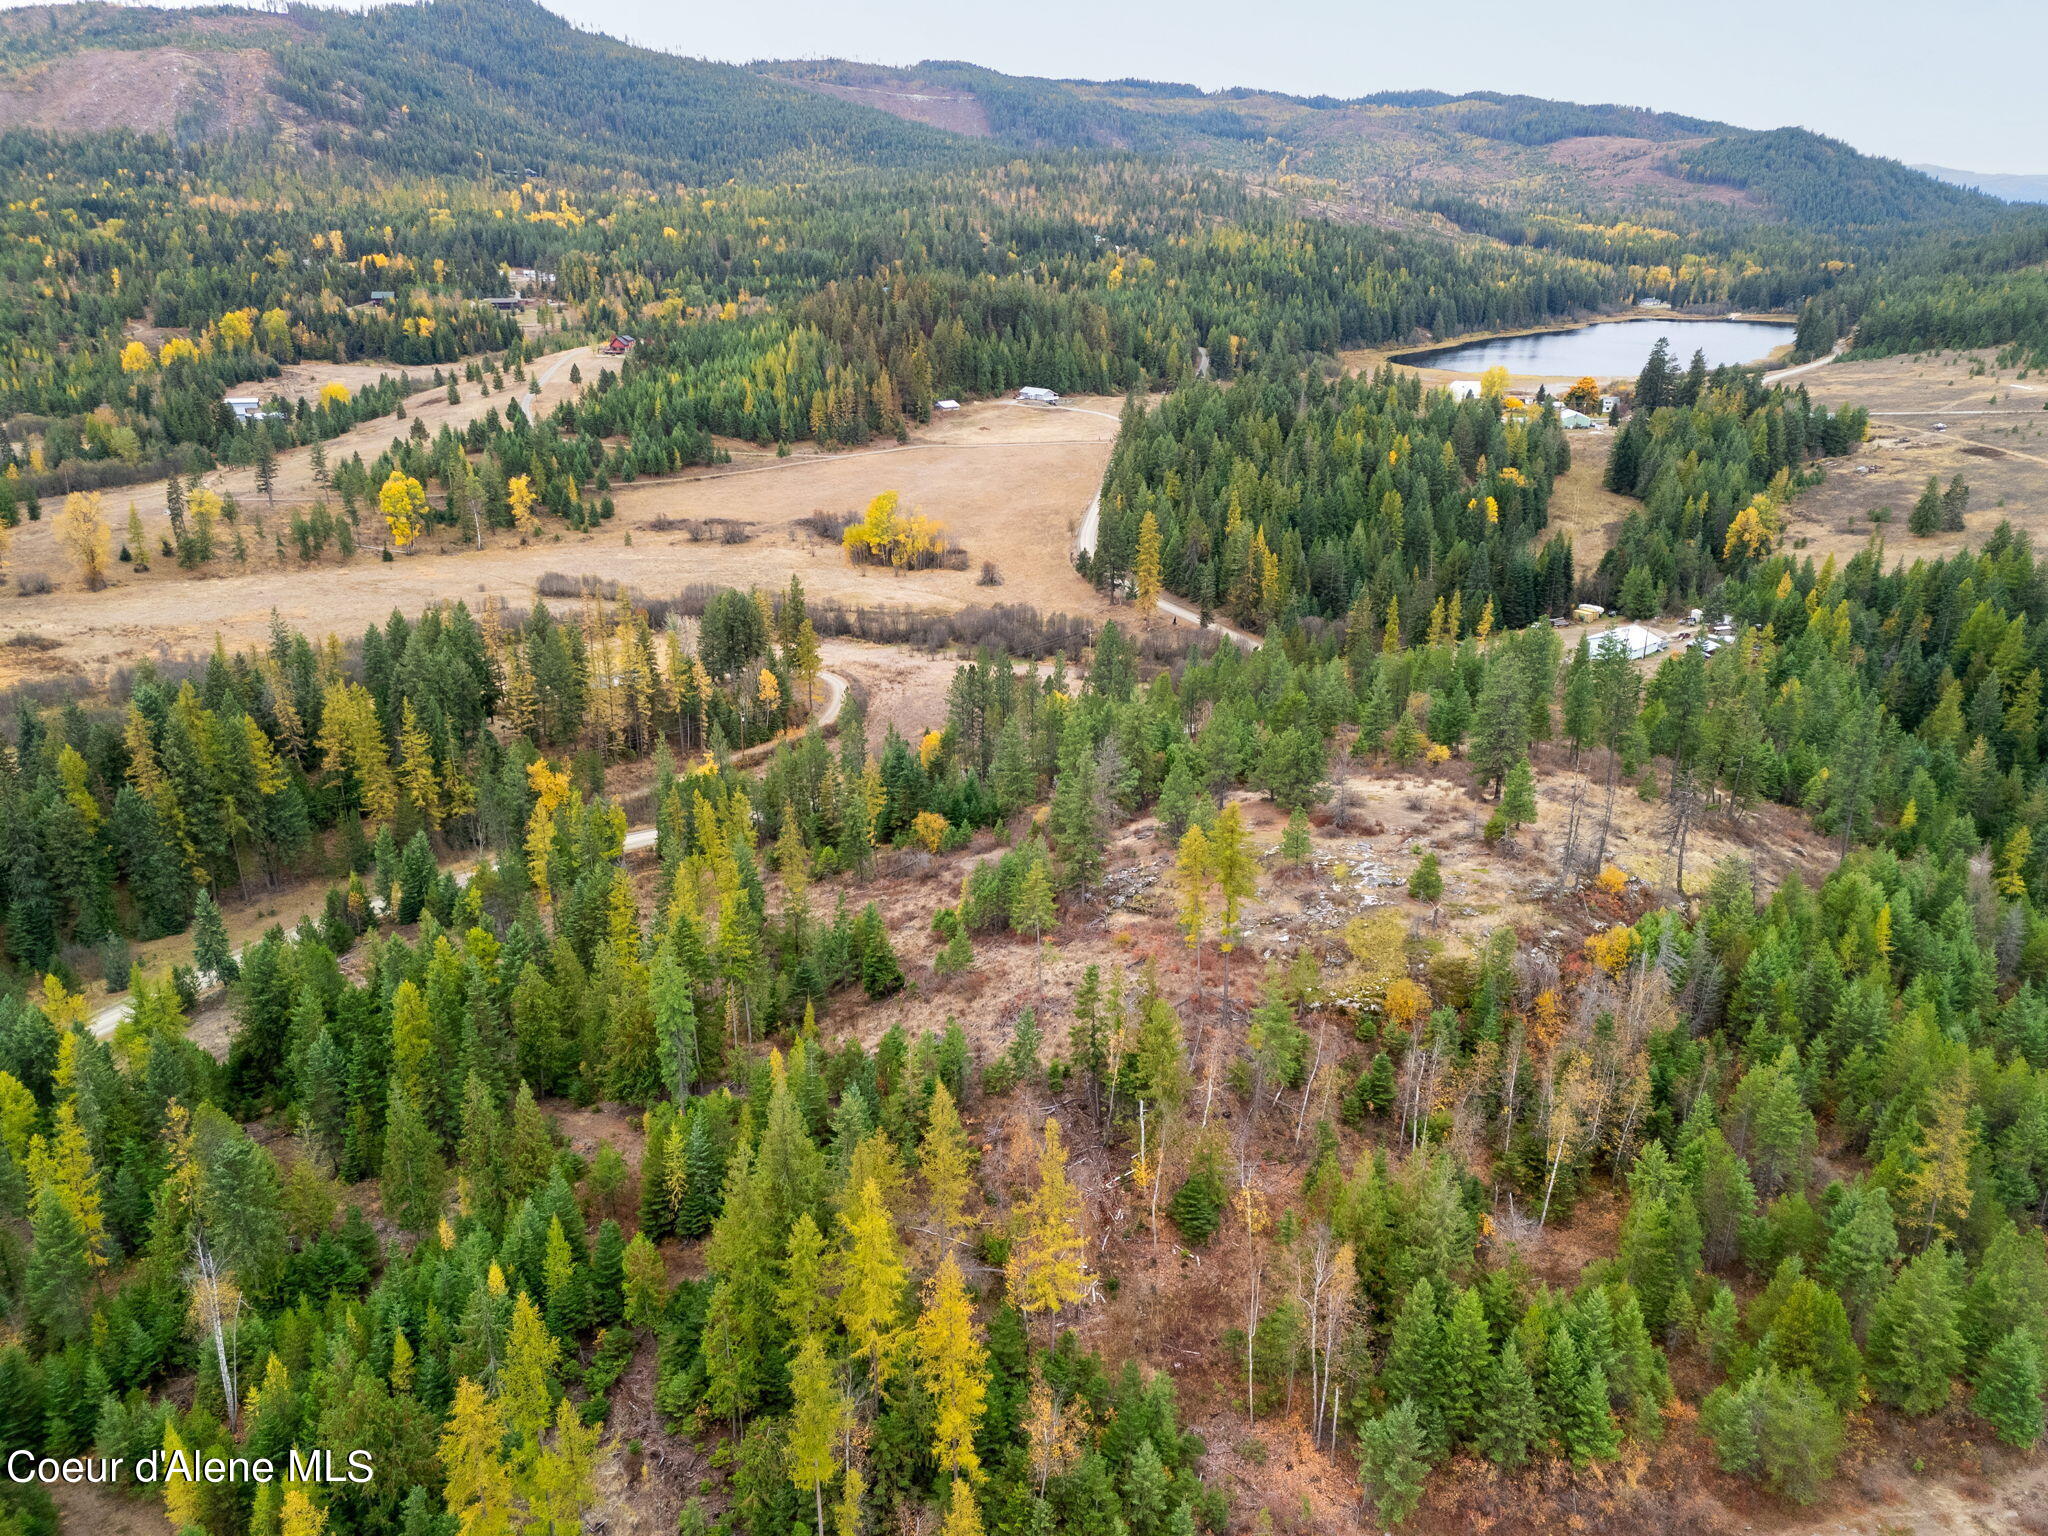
(1416, 1371)
(1861, 1249)
(2009, 1388)
(1032, 910)
(415, 1180)
(1915, 1345)
(953, 1365)
(1197, 1206)
(211, 953)
(1511, 1426)
(1394, 1461)
(1294, 842)
(57, 1288)
(1468, 1368)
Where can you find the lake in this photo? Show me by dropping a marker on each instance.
(1609, 349)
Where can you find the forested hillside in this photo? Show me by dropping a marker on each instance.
(733, 1058)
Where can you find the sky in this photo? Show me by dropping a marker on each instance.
(1953, 83)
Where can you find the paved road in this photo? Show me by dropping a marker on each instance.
(637, 840)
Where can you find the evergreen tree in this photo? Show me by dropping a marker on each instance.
(414, 1176)
(1394, 1461)
(1512, 1425)
(2009, 1389)
(1915, 1344)
(211, 953)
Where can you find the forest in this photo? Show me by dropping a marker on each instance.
(1396, 1060)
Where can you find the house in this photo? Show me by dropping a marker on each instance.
(1638, 642)
(1586, 613)
(1031, 394)
(1574, 421)
(509, 301)
(383, 296)
(249, 408)
(945, 405)
(1608, 403)
(619, 346)
(1464, 389)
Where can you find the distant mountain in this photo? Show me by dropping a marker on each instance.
(460, 87)
(2014, 189)
(1413, 146)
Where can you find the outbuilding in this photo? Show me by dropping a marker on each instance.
(1031, 394)
(1638, 642)
(945, 405)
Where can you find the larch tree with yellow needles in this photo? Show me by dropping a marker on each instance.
(82, 530)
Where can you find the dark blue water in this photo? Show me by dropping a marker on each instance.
(1610, 349)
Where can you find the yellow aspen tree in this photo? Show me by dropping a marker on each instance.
(403, 504)
(1147, 574)
(943, 1161)
(519, 492)
(479, 1483)
(82, 530)
(953, 1366)
(1046, 1272)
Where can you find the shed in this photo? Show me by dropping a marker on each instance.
(1586, 613)
(945, 405)
(1637, 641)
(1573, 421)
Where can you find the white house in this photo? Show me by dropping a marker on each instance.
(249, 408)
(1031, 394)
(945, 405)
(1464, 389)
(1640, 643)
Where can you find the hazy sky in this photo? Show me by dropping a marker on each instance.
(1954, 82)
